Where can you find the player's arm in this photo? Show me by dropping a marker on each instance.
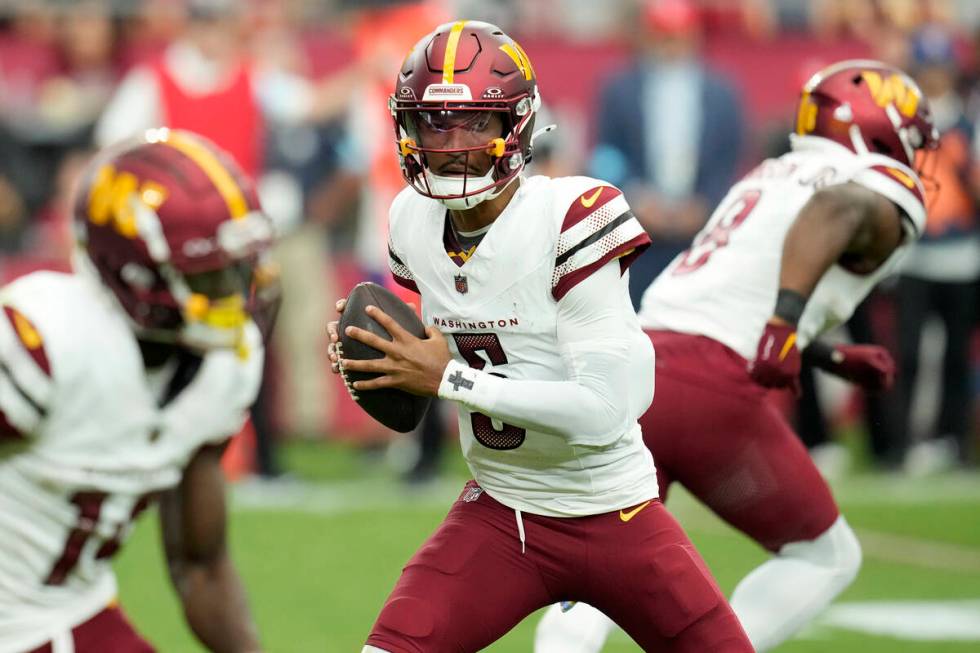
(194, 519)
(602, 348)
(600, 342)
(844, 223)
(840, 222)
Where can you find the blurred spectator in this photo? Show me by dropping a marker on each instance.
(940, 275)
(234, 75)
(669, 134)
(206, 81)
(382, 37)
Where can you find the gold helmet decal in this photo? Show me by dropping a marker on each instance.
(892, 90)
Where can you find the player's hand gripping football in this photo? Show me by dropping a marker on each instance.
(411, 364)
(777, 358)
(869, 366)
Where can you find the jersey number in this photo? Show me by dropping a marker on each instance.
(89, 506)
(507, 436)
(707, 242)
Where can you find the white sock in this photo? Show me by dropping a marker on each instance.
(782, 595)
(583, 629)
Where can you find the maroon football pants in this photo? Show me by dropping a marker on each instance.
(107, 632)
(712, 429)
(474, 580)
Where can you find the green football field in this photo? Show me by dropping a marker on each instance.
(320, 554)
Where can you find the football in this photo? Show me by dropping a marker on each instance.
(396, 409)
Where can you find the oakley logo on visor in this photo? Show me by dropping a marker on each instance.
(447, 92)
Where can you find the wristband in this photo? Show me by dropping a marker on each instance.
(789, 305)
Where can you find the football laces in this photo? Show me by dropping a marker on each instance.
(339, 348)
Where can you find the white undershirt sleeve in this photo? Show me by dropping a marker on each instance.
(608, 362)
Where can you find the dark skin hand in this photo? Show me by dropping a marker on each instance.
(846, 224)
(193, 522)
(411, 364)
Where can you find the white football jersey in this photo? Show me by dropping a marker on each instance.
(725, 286)
(499, 312)
(94, 444)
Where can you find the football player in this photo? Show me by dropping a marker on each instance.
(119, 386)
(531, 333)
(789, 253)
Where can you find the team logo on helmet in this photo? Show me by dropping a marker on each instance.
(892, 90)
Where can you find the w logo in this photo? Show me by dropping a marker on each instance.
(892, 90)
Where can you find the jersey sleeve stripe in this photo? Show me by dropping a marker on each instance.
(626, 253)
(588, 203)
(28, 337)
(22, 363)
(901, 188)
(400, 272)
(909, 182)
(622, 237)
(595, 236)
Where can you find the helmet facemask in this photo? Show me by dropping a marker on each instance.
(447, 152)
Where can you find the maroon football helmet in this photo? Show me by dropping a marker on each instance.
(868, 106)
(173, 228)
(454, 79)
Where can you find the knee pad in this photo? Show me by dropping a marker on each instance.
(837, 550)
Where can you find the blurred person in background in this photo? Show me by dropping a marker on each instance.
(939, 278)
(233, 75)
(383, 31)
(120, 385)
(56, 72)
(669, 132)
(792, 250)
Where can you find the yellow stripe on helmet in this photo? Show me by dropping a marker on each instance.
(227, 187)
(517, 53)
(449, 60)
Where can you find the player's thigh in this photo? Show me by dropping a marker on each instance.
(660, 591)
(740, 457)
(465, 588)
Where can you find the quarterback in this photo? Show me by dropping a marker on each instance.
(523, 283)
(788, 254)
(119, 386)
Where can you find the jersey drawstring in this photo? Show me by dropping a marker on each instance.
(520, 529)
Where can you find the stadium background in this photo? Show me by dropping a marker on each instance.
(326, 506)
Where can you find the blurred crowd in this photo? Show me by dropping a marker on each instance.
(669, 99)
